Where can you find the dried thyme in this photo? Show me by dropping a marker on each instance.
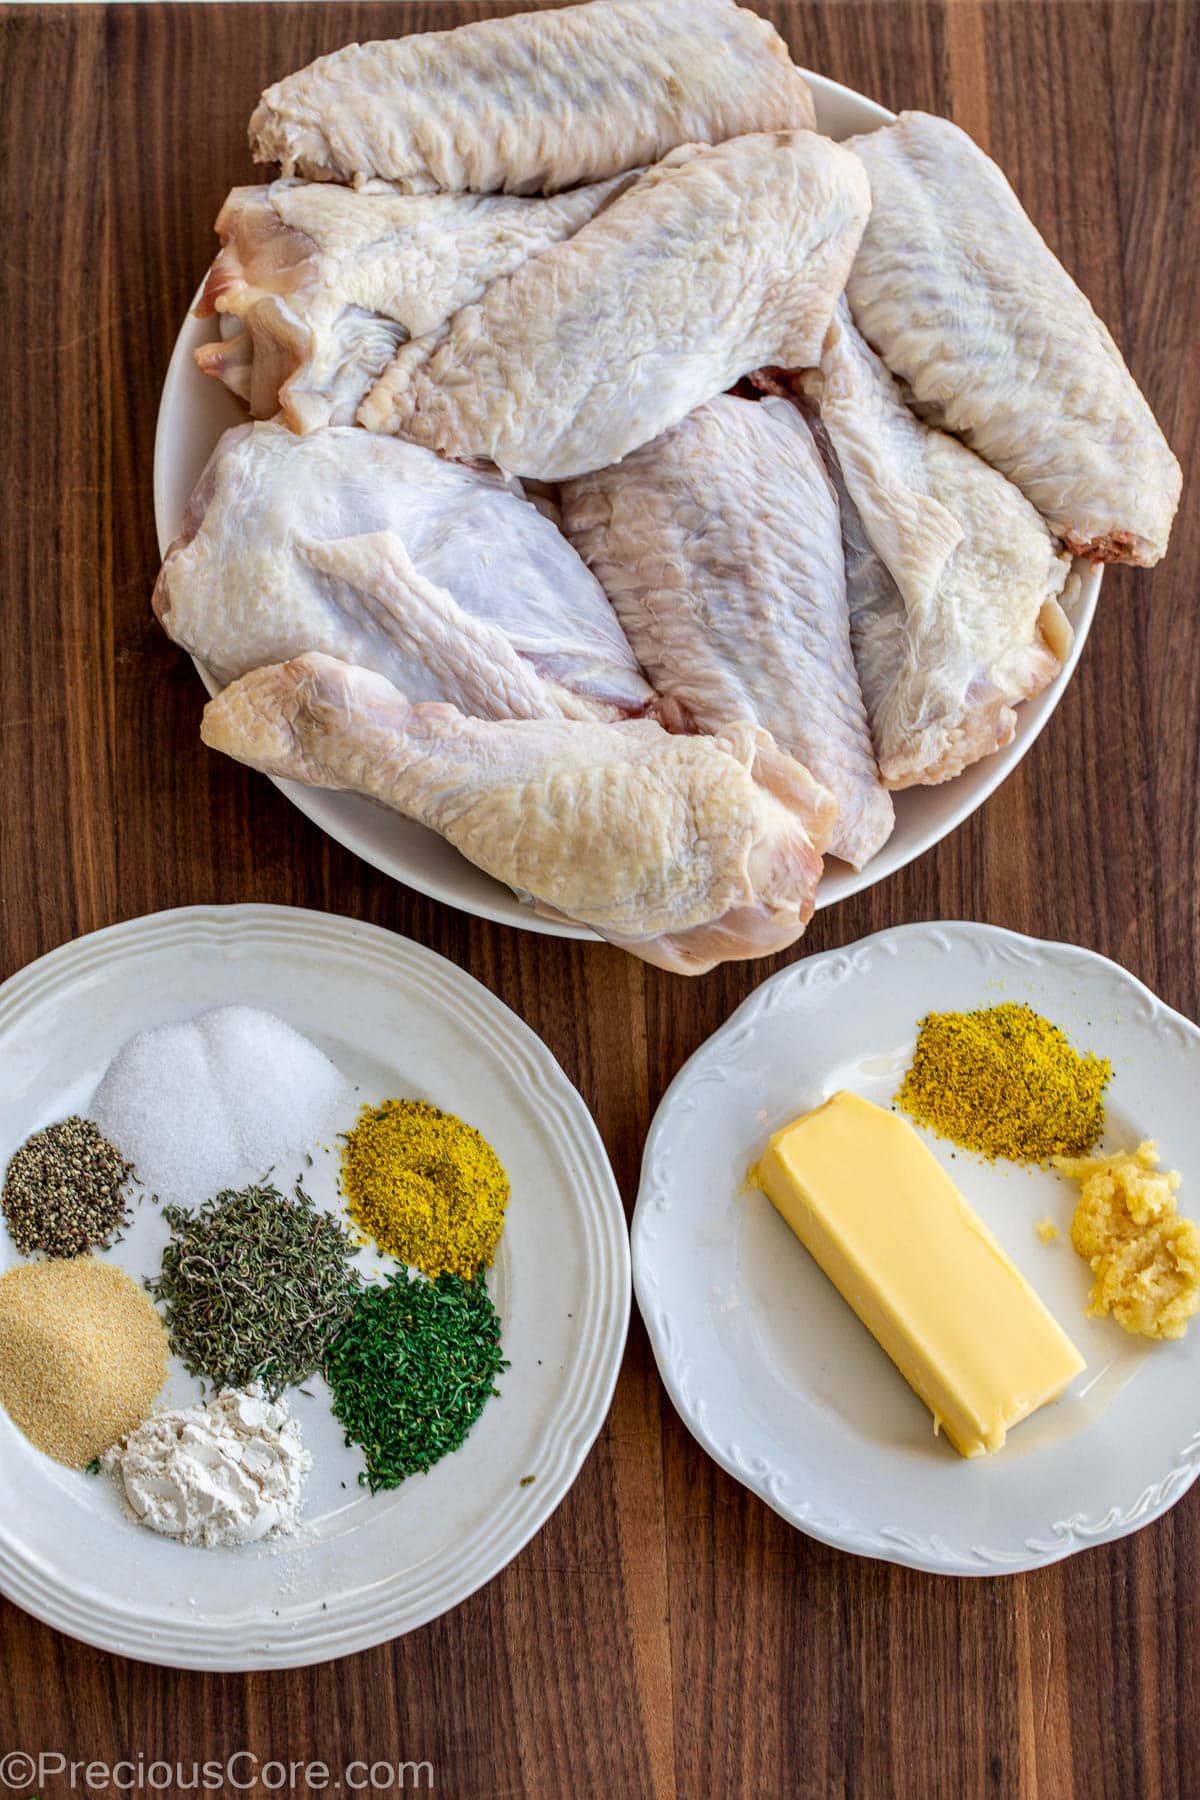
(254, 1284)
(411, 1371)
(64, 1190)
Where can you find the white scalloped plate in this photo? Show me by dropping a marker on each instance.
(195, 410)
(398, 1020)
(771, 1371)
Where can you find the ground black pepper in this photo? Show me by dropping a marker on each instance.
(64, 1191)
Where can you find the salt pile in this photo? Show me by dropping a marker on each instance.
(216, 1102)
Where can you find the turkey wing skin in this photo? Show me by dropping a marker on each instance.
(440, 577)
(715, 262)
(686, 850)
(326, 282)
(534, 103)
(960, 295)
(719, 545)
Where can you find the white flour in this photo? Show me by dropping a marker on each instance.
(228, 1472)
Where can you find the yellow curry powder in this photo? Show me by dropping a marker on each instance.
(425, 1187)
(1005, 1082)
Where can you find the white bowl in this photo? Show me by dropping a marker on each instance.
(193, 413)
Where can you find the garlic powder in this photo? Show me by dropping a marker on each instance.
(229, 1471)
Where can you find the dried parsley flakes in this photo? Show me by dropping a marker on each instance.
(411, 1371)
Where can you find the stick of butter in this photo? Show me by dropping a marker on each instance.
(874, 1207)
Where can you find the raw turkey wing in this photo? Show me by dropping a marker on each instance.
(715, 262)
(968, 624)
(534, 103)
(686, 850)
(957, 291)
(441, 578)
(327, 281)
(719, 546)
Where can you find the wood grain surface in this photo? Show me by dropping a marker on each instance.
(665, 1634)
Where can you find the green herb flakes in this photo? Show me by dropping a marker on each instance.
(411, 1371)
(254, 1285)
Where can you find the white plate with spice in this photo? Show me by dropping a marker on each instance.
(195, 410)
(399, 1021)
(770, 1369)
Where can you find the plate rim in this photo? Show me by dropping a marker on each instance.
(320, 806)
(932, 1555)
(255, 1644)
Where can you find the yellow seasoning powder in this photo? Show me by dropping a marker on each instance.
(1145, 1258)
(425, 1187)
(1005, 1082)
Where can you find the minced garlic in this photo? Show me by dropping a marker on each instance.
(1146, 1259)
